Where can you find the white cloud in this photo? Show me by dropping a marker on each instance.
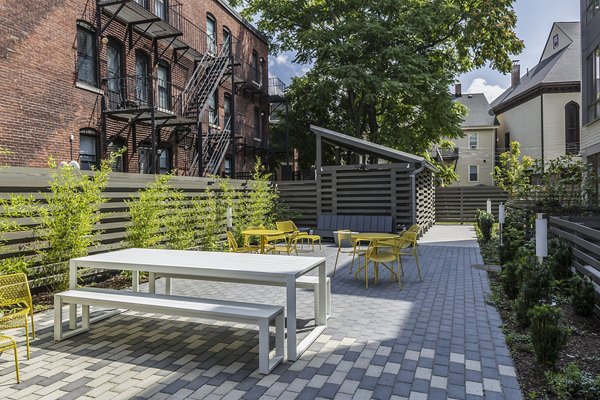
(480, 85)
(281, 59)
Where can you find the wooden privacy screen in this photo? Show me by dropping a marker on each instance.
(373, 189)
(460, 204)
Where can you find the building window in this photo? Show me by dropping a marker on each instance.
(213, 110)
(226, 41)
(555, 41)
(160, 9)
(145, 159)
(256, 127)
(114, 66)
(88, 149)
(572, 128)
(86, 55)
(164, 160)
(507, 141)
(116, 145)
(227, 111)
(143, 3)
(255, 68)
(593, 87)
(473, 173)
(211, 34)
(163, 85)
(593, 9)
(142, 77)
(227, 170)
(472, 141)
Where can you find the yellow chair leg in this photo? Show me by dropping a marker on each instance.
(32, 325)
(17, 364)
(352, 265)
(27, 338)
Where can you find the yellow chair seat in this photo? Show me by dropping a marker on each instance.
(7, 343)
(16, 304)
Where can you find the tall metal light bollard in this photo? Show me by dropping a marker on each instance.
(501, 218)
(488, 206)
(541, 237)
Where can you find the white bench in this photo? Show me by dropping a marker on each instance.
(303, 282)
(259, 314)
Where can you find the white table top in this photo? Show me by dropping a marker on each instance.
(202, 263)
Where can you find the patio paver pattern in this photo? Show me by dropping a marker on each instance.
(437, 339)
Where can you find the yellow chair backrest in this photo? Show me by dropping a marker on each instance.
(415, 228)
(409, 239)
(344, 234)
(14, 289)
(286, 226)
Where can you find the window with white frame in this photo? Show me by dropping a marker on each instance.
(473, 173)
(473, 141)
(211, 34)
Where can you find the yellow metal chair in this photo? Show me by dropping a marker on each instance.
(355, 251)
(385, 252)
(7, 343)
(409, 248)
(290, 227)
(233, 245)
(247, 242)
(16, 304)
(288, 246)
(416, 228)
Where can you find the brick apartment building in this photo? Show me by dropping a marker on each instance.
(169, 80)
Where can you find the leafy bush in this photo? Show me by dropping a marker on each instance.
(71, 215)
(13, 208)
(571, 383)
(583, 295)
(211, 220)
(559, 258)
(510, 279)
(147, 212)
(514, 235)
(548, 336)
(535, 287)
(485, 223)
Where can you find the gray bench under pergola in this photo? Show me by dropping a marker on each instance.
(379, 181)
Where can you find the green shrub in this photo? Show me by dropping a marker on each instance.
(510, 279)
(548, 336)
(583, 295)
(571, 383)
(211, 220)
(485, 223)
(559, 258)
(514, 235)
(71, 215)
(146, 212)
(535, 288)
(13, 208)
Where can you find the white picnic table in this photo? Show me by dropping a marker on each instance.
(277, 269)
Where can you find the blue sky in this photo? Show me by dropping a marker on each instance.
(535, 18)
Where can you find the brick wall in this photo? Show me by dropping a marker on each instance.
(41, 105)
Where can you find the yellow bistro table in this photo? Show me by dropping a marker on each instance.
(264, 234)
(371, 237)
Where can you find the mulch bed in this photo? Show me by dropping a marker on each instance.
(583, 347)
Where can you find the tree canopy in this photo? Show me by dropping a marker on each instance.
(381, 69)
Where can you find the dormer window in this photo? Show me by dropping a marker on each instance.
(555, 41)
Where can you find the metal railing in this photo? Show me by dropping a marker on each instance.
(141, 92)
(276, 87)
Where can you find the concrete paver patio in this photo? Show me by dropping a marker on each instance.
(434, 339)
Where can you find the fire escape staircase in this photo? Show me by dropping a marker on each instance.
(204, 82)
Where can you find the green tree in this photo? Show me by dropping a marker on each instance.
(381, 70)
(512, 175)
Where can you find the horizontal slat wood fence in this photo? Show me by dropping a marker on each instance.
(115, 212)
(460, 204)
(583, 235)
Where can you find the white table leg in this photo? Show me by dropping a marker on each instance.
(292, 352)
(322, 309)
(72, 285)
(168, 286)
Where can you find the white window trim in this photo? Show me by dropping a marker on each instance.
(469, 173)
(469, 140)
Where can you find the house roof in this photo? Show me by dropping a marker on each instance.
(479, 111)
(562, 67)
(364, 146)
